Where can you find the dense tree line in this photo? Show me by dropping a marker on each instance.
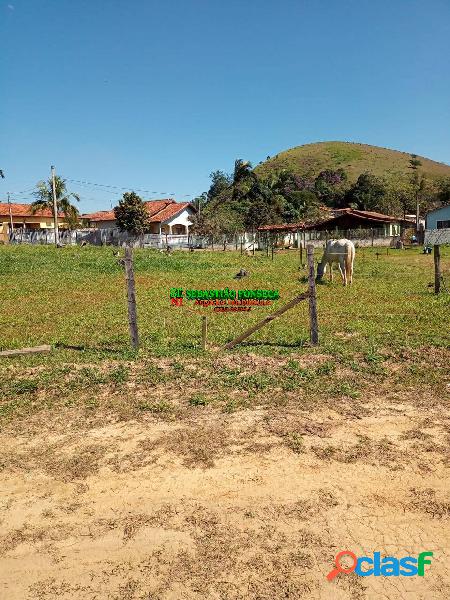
(244, 200)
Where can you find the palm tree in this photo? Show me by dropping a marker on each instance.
(44, 200)
(243, 178)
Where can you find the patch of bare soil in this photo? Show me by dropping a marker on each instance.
(250, 505)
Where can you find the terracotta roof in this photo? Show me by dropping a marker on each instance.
(334, 214)
(170, 211)
(158, 210)
(24, 210)
(363, 215)
(100, 215)
(282, 227)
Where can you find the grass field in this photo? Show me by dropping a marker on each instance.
(176, 474)
(75, 296)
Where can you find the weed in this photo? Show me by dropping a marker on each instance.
(198, 400)
(327, 368)
(160, 407)
(295, 442)
(119, 375)
(23, 386)
(345, 389)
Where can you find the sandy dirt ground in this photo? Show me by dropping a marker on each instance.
(225, 506)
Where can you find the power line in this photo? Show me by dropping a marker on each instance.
(23, 192)
(105, 188)
(129, 188)
(114, 187)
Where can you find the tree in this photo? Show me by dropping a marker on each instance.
(220, 182)
(329, 186)
(367, 193)
(443, 190)
(243, 178)
(399, 197)
(264, 204)
(215, 223)
(44, 200)
(131, 214)
(200, 202)
(298, 204)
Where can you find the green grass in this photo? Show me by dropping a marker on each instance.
(311, 159)
(75, 297)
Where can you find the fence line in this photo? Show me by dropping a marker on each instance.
(243, 241)
(104, 237)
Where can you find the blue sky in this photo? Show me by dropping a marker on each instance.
(155, 95)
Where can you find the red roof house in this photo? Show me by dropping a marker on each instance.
(166, 216)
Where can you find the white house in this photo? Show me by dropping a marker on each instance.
(439, 218)
(166, 217)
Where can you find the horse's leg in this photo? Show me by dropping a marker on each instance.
(342, 270)
(331, 272)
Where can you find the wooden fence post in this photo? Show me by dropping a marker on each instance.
(437, 268)
(131, 294)
(204, 331)
(314, 328)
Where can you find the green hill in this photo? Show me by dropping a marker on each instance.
(311, 159)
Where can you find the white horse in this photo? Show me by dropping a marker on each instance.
(341, 252)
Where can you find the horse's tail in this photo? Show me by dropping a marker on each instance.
(349, 257)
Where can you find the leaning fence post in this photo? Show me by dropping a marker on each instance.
(131, 294)
(314, 328)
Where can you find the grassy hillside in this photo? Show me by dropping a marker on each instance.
(310, 159)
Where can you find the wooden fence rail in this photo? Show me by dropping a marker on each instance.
(266, 320)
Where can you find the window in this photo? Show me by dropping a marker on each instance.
(443, 224)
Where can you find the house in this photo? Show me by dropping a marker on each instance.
(284, 234)
(343, 222)
(349, 219)
(439, 218)
(166, 217)
(23, 217)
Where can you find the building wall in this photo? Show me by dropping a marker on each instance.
(103, 224)
(181, 219)
(30, 222)
(27, 223)
(440, 214)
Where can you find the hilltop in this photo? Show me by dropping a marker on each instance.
(311, 159)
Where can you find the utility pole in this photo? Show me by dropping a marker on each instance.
(417, 212)
(10, 215)
(314, 328)
(55, 207)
